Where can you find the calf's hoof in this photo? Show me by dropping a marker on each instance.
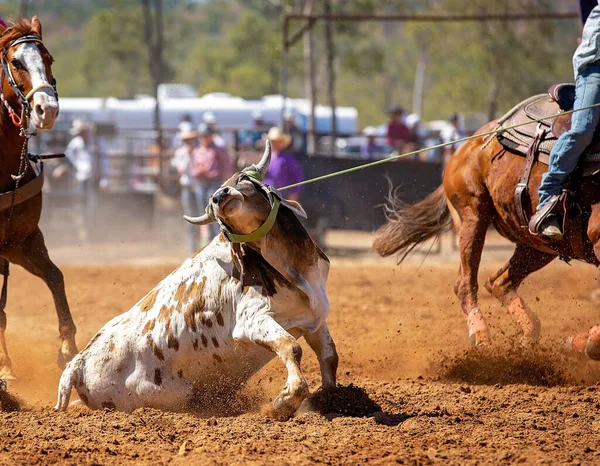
(285, 405)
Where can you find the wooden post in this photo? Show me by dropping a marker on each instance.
(331, 72)
(153, 34)
(310, 90)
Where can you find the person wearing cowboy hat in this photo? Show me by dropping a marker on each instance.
(398, 134)
(77, 151)
(182, 162)
(209, 119)
(369, 149)
(284, 168)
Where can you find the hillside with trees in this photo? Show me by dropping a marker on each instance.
(235, 46)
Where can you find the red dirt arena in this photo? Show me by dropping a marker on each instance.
(411, 391)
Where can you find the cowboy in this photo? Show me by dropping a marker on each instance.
(77, 150)
(284, 168)
(182, 162)
(209, 119)
(398, 134)
(369, 149)
(569, 147)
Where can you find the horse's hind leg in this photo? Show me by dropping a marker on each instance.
(503, 285)
(5, 364)
(472, 228)
(32, 255)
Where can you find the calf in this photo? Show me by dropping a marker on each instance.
(223, 314)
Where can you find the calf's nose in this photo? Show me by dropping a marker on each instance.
(220, 195)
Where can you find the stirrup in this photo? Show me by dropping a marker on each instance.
(538, 218)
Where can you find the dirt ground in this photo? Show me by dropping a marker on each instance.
(416, 396)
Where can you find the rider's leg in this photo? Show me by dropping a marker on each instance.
(570, 146)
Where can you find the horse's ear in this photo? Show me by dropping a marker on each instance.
(36, 26)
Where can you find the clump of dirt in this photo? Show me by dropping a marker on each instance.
(8, 402)
(490, 365)
(348, 400)
(226, 400)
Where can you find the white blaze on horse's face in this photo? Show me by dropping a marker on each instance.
(44, 104)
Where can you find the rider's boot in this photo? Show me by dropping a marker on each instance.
(546, 223)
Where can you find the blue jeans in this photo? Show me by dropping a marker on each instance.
(194, 199)
(570, 146)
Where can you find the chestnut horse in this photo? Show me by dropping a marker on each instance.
(27, 95)
(477, 191)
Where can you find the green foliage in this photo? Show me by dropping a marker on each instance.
(235, 46)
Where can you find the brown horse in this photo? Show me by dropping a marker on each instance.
(27, 96)
(477, 191)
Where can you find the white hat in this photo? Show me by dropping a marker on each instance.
(185, 126)
(370, 131)
(188, 134)
(277, 134)
(412, 120)
(257, 114)
(209, 118)
(79, 126)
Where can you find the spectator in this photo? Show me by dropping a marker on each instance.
(298, 143)
(78, 153)
(211, 165)
(418, 135)
(284, 168)
(182, 162)
(252, 138)
(369, 148)
(449, 133)
(398, 134)
(184, 126)
(210, 120)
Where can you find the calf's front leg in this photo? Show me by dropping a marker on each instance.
(324, 347)
(266, 332)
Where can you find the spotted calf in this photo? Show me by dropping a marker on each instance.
(218, 318)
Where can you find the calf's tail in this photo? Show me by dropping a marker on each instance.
(408, 226)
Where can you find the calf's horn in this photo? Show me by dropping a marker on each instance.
(202, 220)
(263, 165)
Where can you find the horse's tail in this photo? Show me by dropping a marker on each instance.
(408, 226)
(67, 380)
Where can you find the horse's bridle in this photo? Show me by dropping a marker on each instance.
(23, 120)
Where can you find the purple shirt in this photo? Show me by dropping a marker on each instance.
(283, 171)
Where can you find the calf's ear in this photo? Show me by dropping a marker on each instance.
(294, 207)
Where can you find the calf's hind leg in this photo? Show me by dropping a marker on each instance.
(503, 286)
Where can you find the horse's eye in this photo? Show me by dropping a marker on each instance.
(17, 64)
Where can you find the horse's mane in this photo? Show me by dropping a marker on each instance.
(21, 28)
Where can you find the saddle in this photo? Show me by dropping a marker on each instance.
(536, 140)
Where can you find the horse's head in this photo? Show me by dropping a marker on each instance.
(27, 79)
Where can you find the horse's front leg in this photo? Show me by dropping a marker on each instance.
(5, 364)
(32, 255)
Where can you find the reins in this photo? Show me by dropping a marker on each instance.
(425, 149)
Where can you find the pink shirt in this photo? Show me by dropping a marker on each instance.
(210, 163)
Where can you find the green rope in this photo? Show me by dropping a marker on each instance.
(399, 156)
